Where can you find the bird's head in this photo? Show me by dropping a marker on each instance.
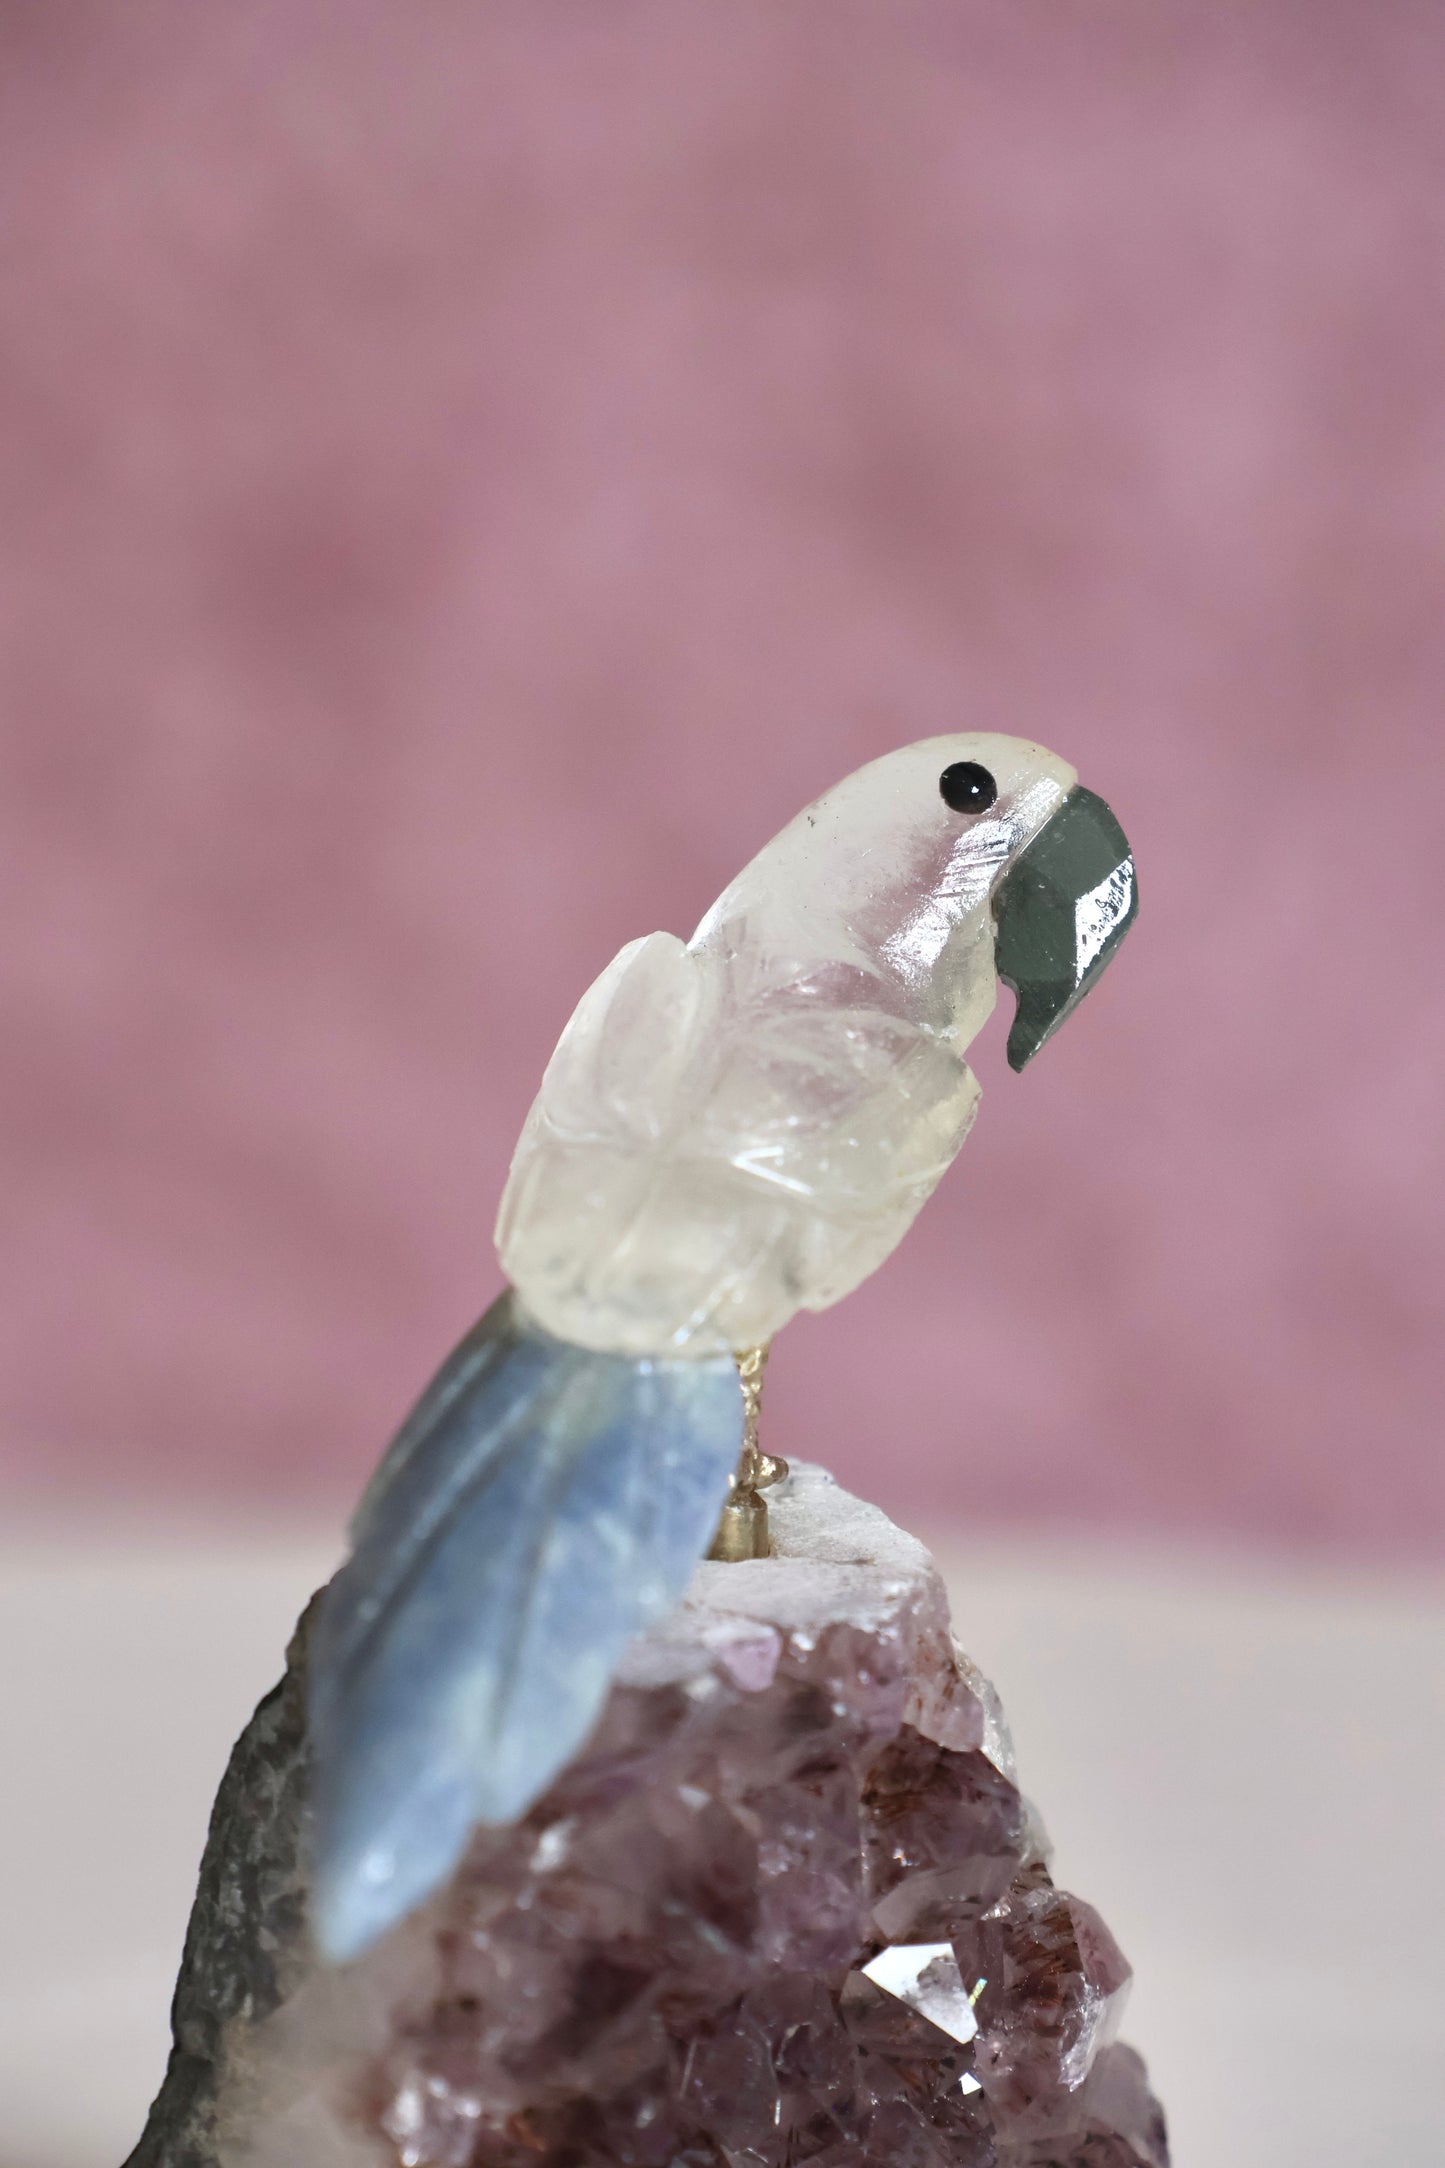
(939, 865)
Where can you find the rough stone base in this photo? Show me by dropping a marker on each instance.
(788, 1907)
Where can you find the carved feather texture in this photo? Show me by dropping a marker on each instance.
(542, 1505)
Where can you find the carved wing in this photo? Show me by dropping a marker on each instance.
(542, 1506)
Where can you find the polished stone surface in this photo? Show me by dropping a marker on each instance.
(746, 1124)
(541, 1506)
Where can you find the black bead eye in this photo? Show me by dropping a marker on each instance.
(967, 787)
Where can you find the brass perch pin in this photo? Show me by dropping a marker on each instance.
(742, 1531)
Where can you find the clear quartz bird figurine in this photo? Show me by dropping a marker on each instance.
(731, 1129)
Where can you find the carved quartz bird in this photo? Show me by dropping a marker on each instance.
(731, 1129)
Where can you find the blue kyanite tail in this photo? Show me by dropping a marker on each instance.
(541, 1505)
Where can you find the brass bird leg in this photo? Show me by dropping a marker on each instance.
(743, 1529)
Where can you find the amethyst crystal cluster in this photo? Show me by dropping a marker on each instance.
(789, 1907)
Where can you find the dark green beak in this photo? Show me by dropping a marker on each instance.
(1061, 911)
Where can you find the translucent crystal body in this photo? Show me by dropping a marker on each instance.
(745, 1125)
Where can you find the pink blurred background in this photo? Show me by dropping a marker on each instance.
(470, 473)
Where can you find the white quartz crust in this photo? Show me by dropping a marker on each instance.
(836, 1560)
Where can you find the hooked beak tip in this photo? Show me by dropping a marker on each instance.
(1060, 913)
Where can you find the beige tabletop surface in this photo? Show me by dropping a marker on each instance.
(1241, 1764)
